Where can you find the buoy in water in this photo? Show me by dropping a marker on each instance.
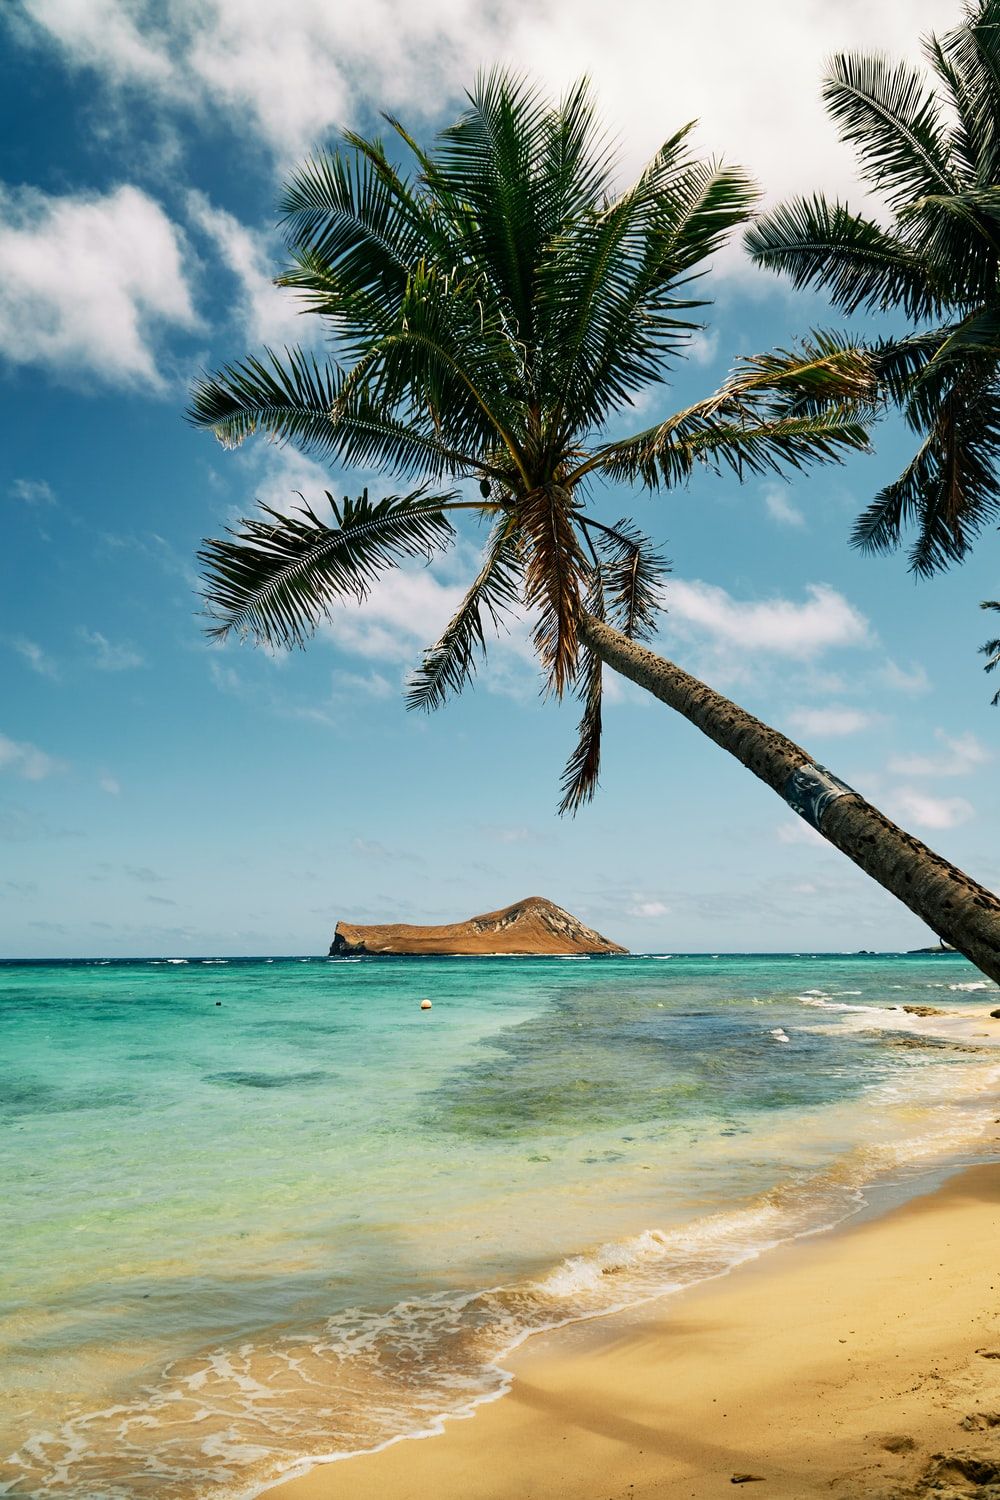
(425, 1005)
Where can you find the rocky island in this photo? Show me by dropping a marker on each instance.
(532, 926)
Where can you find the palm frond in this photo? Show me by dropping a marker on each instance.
(972, 56)
(606, 316)
(276, 579)
(854, 260)
(304, 403)
(582, 771)
(450, 663)
(355, 231)
(991, 650)
(448, 359)
(696, 217)
(634, 576)
(489, 160)
(893, 120)
(554, 566)
(950, 489)
(778, 411)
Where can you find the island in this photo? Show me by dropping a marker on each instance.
(532, 927)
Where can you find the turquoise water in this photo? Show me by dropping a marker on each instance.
(259, 1212)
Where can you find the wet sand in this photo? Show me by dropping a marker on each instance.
(855, 1363)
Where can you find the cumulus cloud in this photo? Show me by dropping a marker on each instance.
(800, 832)
(109, 657)
(781, 509)
(831, 722)
(910, 805)
(960, 757)
(32, 492)
(87, 282)
(407, 609)
(781, 627)
(266, 314)
(911, 680)
(648, 909)
(358, 684)
(293, 74)
(38, 660)
(23, 759)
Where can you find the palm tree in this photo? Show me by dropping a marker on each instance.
(931, 151)
(492, 311)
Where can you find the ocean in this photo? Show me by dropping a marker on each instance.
(265, 1212)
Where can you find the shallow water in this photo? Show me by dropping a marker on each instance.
(311, 1218)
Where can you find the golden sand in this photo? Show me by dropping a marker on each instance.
(852, 1364)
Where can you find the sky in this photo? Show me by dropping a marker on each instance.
(163, 795)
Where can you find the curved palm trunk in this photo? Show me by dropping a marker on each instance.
(964, 914)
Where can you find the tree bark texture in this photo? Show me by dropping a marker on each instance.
(959, 910)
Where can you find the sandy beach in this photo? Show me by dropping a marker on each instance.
(864, 1362)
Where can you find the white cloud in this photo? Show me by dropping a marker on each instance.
(282, 475)
(780, 508)
(961, 756)
(267, 314)
(86, 282)
(38, 660)
(830, 721)
(513, 835)
(109, 657)
(102, 34)
(912, 806)
(648, 909)
(294, 73)
(226, 679)
(912, 680)
(800, 832)
(26, 760)
(406, 610)
(779, 626)
(110, 784)
(370, 685)
(702, 347)
(32, 492)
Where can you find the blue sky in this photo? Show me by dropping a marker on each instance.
(160, 795)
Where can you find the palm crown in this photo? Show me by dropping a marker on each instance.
(931, 151)
(492, 305)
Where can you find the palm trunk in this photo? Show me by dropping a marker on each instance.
(964, 914)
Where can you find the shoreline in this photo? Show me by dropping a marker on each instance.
(841, 1362)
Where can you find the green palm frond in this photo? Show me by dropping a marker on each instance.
(582, 771)
(354, 231)
(892, 118)
(634, 575)
(611, 308)
(299, 401)
(970, 68)
(934, 154)
(706, 203)
(827, 248)
(450, 663)
(778, 411)
(488, 160)
(277, 579)
(991, 650)
(950, 490)
(291, 401)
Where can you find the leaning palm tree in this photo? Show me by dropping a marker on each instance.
(493, 309)
(930, 149)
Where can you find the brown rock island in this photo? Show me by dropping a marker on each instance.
(532, 926)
